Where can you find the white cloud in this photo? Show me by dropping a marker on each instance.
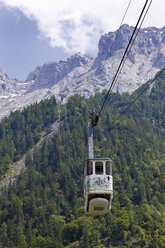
(76, 25)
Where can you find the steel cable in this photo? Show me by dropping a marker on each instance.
(124, 55)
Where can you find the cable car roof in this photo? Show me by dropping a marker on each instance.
(100, 159)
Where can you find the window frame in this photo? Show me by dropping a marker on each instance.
(89, 168)
(110, 168)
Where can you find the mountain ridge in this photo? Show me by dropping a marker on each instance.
(84, 75)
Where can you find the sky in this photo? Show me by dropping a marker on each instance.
(33, 32)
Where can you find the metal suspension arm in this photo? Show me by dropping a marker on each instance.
(90, 141)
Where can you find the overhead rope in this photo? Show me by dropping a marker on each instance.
(125, 13)
(150, 69)
(94, 118)
(136, 98)
(155, 62)
(124, 55)
(133, 41)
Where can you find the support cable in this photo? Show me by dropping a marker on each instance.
(123, 58)
(155, 62)
(95, 118)
(136, 34)
(126, 53)
(136, 98)
(108, 54)
(118, 31)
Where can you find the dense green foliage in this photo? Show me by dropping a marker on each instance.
(44, 208)
(21, 130)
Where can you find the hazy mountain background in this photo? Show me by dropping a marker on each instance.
(84, 75)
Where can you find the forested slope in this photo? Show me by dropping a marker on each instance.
(44, 207)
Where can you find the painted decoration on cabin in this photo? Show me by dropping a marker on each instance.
(99, 183)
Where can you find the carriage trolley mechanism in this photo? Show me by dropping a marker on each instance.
(98, 182)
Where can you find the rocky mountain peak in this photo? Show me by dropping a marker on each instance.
(79, 59)
(51, 73)
(147, 41)
(3, 75)
(147, 54)
(113, 41)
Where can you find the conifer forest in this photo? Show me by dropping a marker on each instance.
(44, 206)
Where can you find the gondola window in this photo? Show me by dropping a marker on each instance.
(99, 168)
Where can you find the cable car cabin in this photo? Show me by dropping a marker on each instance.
(98, 190)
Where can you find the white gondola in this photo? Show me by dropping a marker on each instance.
(98, 182)
(98, 188)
